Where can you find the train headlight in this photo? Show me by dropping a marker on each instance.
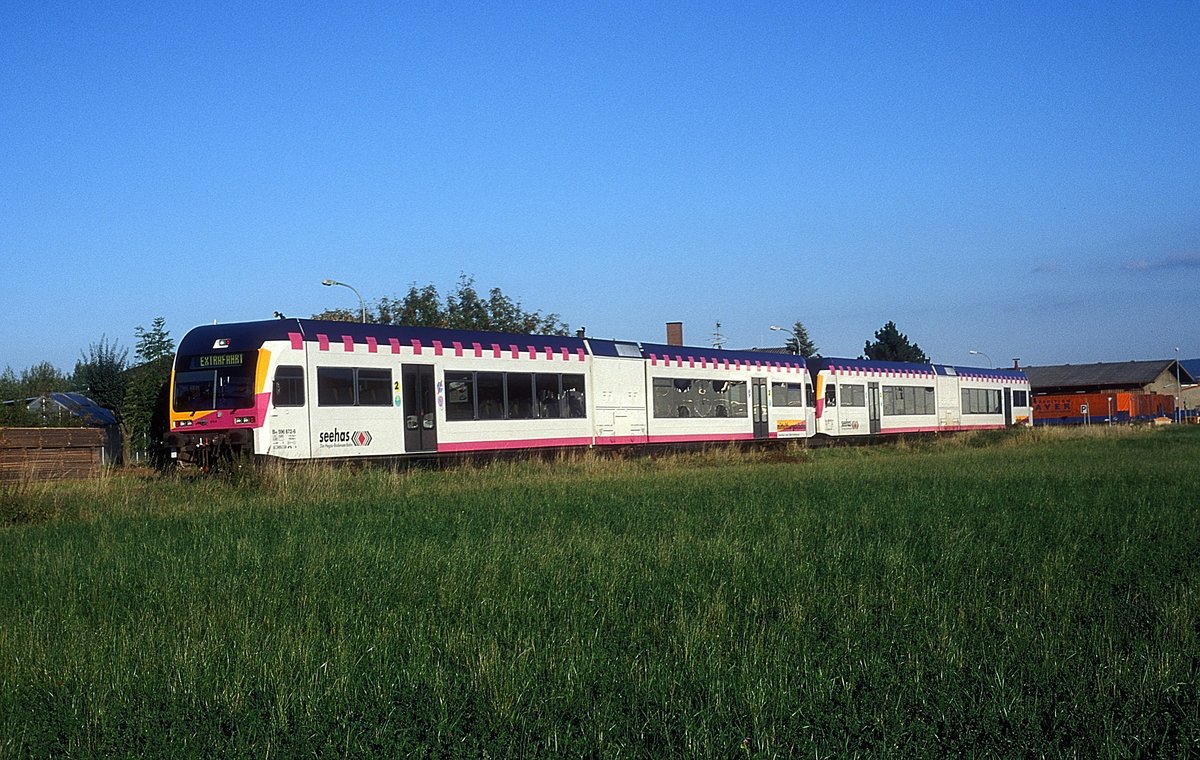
(183, 423)
(243, 420)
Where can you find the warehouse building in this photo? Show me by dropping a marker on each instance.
(1113, 392)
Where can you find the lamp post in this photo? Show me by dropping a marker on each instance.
(973, 352)
(1178, 389)
(361, 303)
(792, 333)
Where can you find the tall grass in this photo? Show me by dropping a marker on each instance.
(1012, 595)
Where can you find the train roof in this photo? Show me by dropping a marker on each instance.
(245, 336)
(699, 354)
(903, 368)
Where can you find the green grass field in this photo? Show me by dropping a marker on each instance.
(1012, 595)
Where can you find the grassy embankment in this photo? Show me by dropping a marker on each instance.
(1023, 594)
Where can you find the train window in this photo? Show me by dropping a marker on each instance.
(374, 387)
(980, 401)
(908, 399)
(548, 395)
(1020, 398)
(663, 391)
(489, 392)
(520, 395)
(893, 399)
(349, 386)
(220, 381)
(854, 395)
(234, 391)
(289, 386)
(335, 386)
(483, 395)
(831, 395)
(735, 395)
(574, 403)
(685, 397)
(460, 396)
(787, 394)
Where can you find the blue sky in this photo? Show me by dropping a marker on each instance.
(1017, 179)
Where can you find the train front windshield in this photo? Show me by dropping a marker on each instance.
(214, 381)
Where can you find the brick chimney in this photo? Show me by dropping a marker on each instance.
(674, 333)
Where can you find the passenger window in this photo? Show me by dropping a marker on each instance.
(460, 396)
(490, 389)
(548, 396)
(574, 401)
(335, 386)
(288, 389)
(520, 396)
(374, 387)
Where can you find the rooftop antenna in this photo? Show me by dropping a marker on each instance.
(718, 340)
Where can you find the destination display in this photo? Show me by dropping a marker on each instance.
(217, 361)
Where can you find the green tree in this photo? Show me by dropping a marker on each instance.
(893, 346)
(10, 385)
(507, 315)
(42, 378)
(100, 373)
(799, 343)
(38, 380)
(143, 412)
(344, 315)
(14, 414)
(463, 309)
(419, 308)
(154, 343)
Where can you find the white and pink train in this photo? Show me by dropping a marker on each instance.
(307, 389)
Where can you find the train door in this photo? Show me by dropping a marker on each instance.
(1008, 409)
(420, 408)
(287, 418)
(873, 407)
(810, 410)
(761, 409)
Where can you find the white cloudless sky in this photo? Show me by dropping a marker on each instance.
(1021, 179)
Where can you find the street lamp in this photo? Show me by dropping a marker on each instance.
(796, 350)
(973, 352)
(1179, 389)
(362, 304)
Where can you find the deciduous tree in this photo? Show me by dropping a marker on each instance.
(419, 308)
(100, 373)
(464, 309)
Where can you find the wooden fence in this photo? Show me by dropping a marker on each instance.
(51, 453)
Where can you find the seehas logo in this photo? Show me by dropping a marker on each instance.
(344, 438)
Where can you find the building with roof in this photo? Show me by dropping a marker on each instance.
(71, 409)
(77, 405)
(1112, 391)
